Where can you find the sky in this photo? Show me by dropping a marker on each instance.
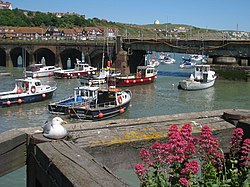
(211, 14)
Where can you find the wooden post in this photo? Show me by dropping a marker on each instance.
(12, 151)
(61, 163)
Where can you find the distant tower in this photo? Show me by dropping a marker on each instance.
(157, 22)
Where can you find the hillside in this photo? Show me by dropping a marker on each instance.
(25, 18)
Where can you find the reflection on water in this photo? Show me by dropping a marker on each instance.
(159, 98)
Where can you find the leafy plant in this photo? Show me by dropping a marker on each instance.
(186, 160)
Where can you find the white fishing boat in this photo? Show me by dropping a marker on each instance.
(103, 75)
(166, 59)
(152, 62)
(81, 69)
(198, 58)
(41, 70)
(27, 90)
(203, 78)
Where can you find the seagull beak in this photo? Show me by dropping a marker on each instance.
(64, 122)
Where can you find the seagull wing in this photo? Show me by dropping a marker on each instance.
(46, 127)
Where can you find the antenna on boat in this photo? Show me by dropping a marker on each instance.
(24, 61)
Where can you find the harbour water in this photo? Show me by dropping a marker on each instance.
(159, 98)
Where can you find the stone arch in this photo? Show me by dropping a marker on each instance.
(71, 53)
(18, 52)
(96, 58)
(2, 57)
(48, 55)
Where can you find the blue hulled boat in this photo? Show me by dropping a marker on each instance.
(27, 90)
(93, 103)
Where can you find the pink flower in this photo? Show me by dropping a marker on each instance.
(140, 169)
(173, 129)
(184, 182)
(245, 151)
(186, 131)
(236, 140)
(191, 167)
(144, 154)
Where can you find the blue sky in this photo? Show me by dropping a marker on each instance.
(212, 14)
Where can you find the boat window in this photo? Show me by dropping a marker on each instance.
(38, 84)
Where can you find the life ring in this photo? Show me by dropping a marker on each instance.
(33, 89)
(120, 100)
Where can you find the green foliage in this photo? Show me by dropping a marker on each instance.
(232, 74)
(24, 18)
(19, 18)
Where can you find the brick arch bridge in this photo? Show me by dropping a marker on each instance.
(54, 53)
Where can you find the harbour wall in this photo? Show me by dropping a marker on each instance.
(94, 151)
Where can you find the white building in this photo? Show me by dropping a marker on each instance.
(5, 5)
(157, 22)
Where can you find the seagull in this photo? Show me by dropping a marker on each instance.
(54, 130)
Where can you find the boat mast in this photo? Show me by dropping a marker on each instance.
(103, 54)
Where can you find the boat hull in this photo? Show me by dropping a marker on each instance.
(126, 81)
(40, 74)
(61, 107)
(195, 85)
(24, 99)
(94, 113)
(70, 75)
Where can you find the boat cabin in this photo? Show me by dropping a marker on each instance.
(34, 67)
(85, 93)
(95, 95)
(203, 73)
(108, 72)
(145, 71)
(28, 85)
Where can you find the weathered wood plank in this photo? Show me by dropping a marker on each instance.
(63, 164)
(12, 151)
(142, 131)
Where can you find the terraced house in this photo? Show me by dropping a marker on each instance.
(5, 5)
(53, 33)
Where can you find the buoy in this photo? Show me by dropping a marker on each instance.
(150, 79)
(134, 81)
(127, 81)
(19, 91)
(19, 101)
(141, 80)
(121, 110)
(100, 115)
(43, 95)
(8, 102)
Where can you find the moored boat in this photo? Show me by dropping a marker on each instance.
(107, 103)
(198, 58)
(187, 64)
(80, 95)
(143, 75)
(152, 62)
(81, 69)
(103, 75)
(167, 59)
(93, 103)
(41, 70)
(27, 90)
(203, 78)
